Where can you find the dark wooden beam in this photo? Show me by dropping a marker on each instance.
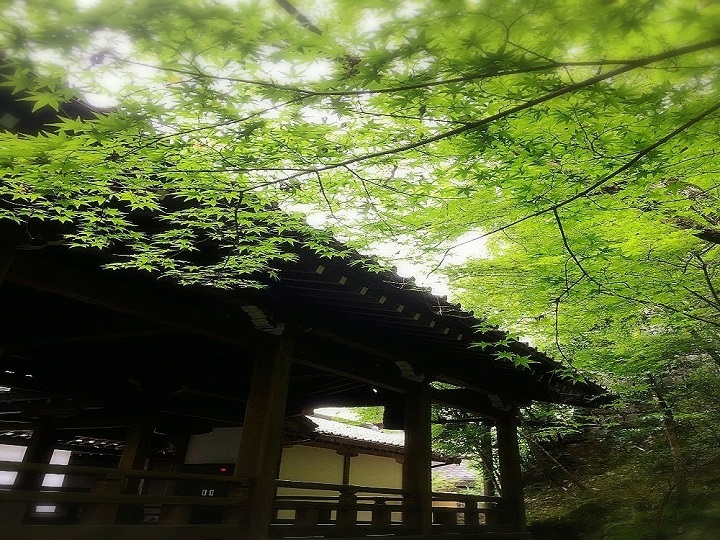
(356, 345)
(356, 371)
(89, 337)
(516, 387)
(45, 406)
(470, 401)
(143, 298)
(300, 404)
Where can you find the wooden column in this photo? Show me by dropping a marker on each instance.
(134, 456)
(175, 514)
(261, 440)
(39, 450)
(346, 467)
(511, 483)
(416, 474)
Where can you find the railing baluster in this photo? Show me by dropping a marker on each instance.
(347, 508)
(492, 513)
(381, 514)
(379, 504)
(306, 516)
(102, 514)
(472, 516)
(445, 515)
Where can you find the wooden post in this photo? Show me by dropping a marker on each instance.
(39, 450)
(176, 514)
(346, 467)
(134, 456)
(347, 512)
(416, 473)
(472, 516)
(511, 483)
(381, 515)
(261, 440)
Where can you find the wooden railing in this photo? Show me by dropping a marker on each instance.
(310, 508)
(127, 497)
(164, 505)
(462, 511)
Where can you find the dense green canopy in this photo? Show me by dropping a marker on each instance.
(557, 159)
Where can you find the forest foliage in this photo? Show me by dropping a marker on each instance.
(556, 160)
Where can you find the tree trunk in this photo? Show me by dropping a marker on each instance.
(679, 480)
(490, 479)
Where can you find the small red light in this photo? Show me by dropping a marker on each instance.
(223, 469)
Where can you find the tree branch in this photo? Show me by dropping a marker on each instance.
(570, 251)
(302, 19)
(708, 280)
(627, 165)
(603, 290)
(702, 298)
(626, 65)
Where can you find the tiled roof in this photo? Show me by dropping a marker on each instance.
(458, 473)
(333, 428)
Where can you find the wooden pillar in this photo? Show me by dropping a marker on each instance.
(133, 457)
(261, 440)
(174, 514)
(346, 467)
(39, 450)
(511, 483)
(416, 473)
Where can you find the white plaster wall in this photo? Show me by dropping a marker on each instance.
(376, 471)
(311, 464)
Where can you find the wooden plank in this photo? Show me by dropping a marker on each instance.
(108, 498)
(320, 486)
(461, 497)
(203, 532)
(82, 470)
(122, 532)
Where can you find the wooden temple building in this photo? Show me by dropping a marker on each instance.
(124, 373)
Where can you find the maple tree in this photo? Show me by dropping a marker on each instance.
(566, 149)
(576, 139)
(555, 160)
